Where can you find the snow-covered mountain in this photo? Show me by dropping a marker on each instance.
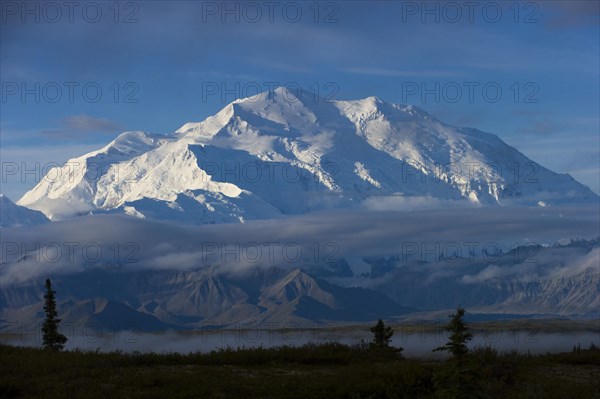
(13, 215)
(280, 153)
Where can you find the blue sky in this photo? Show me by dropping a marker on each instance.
(155, 62)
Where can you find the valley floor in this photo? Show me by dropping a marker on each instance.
(312, 371)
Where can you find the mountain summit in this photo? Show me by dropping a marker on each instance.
(286, 152)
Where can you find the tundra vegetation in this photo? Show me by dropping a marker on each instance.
(328, 370)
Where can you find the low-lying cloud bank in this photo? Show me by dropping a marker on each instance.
(129, 243)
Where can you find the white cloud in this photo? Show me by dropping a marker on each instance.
(303, 240)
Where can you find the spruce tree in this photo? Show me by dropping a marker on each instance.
(459, 335)
(52, 338)
(381, 335)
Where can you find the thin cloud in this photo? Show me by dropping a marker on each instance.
(543, 127)
(75, 125)
(90, 123)
(375, 71)
(530, 113)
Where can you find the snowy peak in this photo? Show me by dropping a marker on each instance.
(281, 107)
(290, 152)
(135, 143)
(207, 128)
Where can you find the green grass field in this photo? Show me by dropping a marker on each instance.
(312, 371)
